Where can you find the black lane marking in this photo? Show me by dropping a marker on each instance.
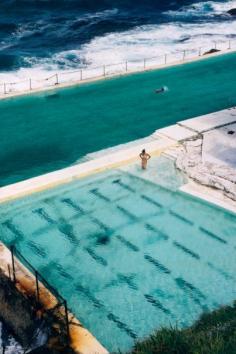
(62, 272)
(150, 200)
(37, 249)
(124, 185)
(215, 237)
(96, 192)
(122, 325)
(127, 213)
(128, 279)
(156, 303)
(220, 271)
(186, 250)
(67, 230)
(157, 264)
(127, 243)
(184, 284)
(98, 304)
(10, 226)
(73, 205)
(182, 218)
(154, 229)
(44, 215)
(101, 224)
(96, 257)
(195, 294)
(88, 294)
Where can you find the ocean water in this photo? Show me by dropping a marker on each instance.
(38, 36)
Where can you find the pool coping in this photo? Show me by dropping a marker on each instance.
(116, 75)
(201, 192)
(109, 161)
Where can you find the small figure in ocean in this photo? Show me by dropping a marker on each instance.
(161, 90)
(144, 156)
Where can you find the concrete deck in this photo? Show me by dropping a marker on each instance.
(175, 132)
(219, 146)
(210, 121)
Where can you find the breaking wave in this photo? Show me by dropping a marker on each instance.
(98, 37)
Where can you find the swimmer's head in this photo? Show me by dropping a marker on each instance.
(143, 151)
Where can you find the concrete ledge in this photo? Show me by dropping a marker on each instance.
(210, 121)
(69, 174)
(175, 132)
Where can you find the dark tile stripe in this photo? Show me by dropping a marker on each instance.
(154, 229)
(62, 272)
(150, 200)
(127, 213)
(96, 257)
(67, 230)
(121, 325)
(220, 271)
(37, 249)
(128, 279)
(215, 237)
(124, 185)
(73, 205)
(186, 250)
(14, 229)
(184, 284)
(96, 192)
(157, 264)
(127, 243)
(44, 215)
(101, 224)
(90, 296)
(156, 303)
(182, 218)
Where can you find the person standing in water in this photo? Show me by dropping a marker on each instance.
(144, 156)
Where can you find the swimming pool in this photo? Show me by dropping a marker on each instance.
(51, 130)
(129, 255)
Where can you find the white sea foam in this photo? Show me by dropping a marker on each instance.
(154, 40)
(136, 44)
(203, 9)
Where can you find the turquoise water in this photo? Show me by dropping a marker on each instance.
(51, 130)
(129, 255)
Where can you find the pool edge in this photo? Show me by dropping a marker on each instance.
(117, 75)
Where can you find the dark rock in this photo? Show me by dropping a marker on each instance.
(232, 12)
(211, 51)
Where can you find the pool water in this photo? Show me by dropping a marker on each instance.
(51, 130)
(129, 255)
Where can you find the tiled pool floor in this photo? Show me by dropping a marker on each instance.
(128, 255)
